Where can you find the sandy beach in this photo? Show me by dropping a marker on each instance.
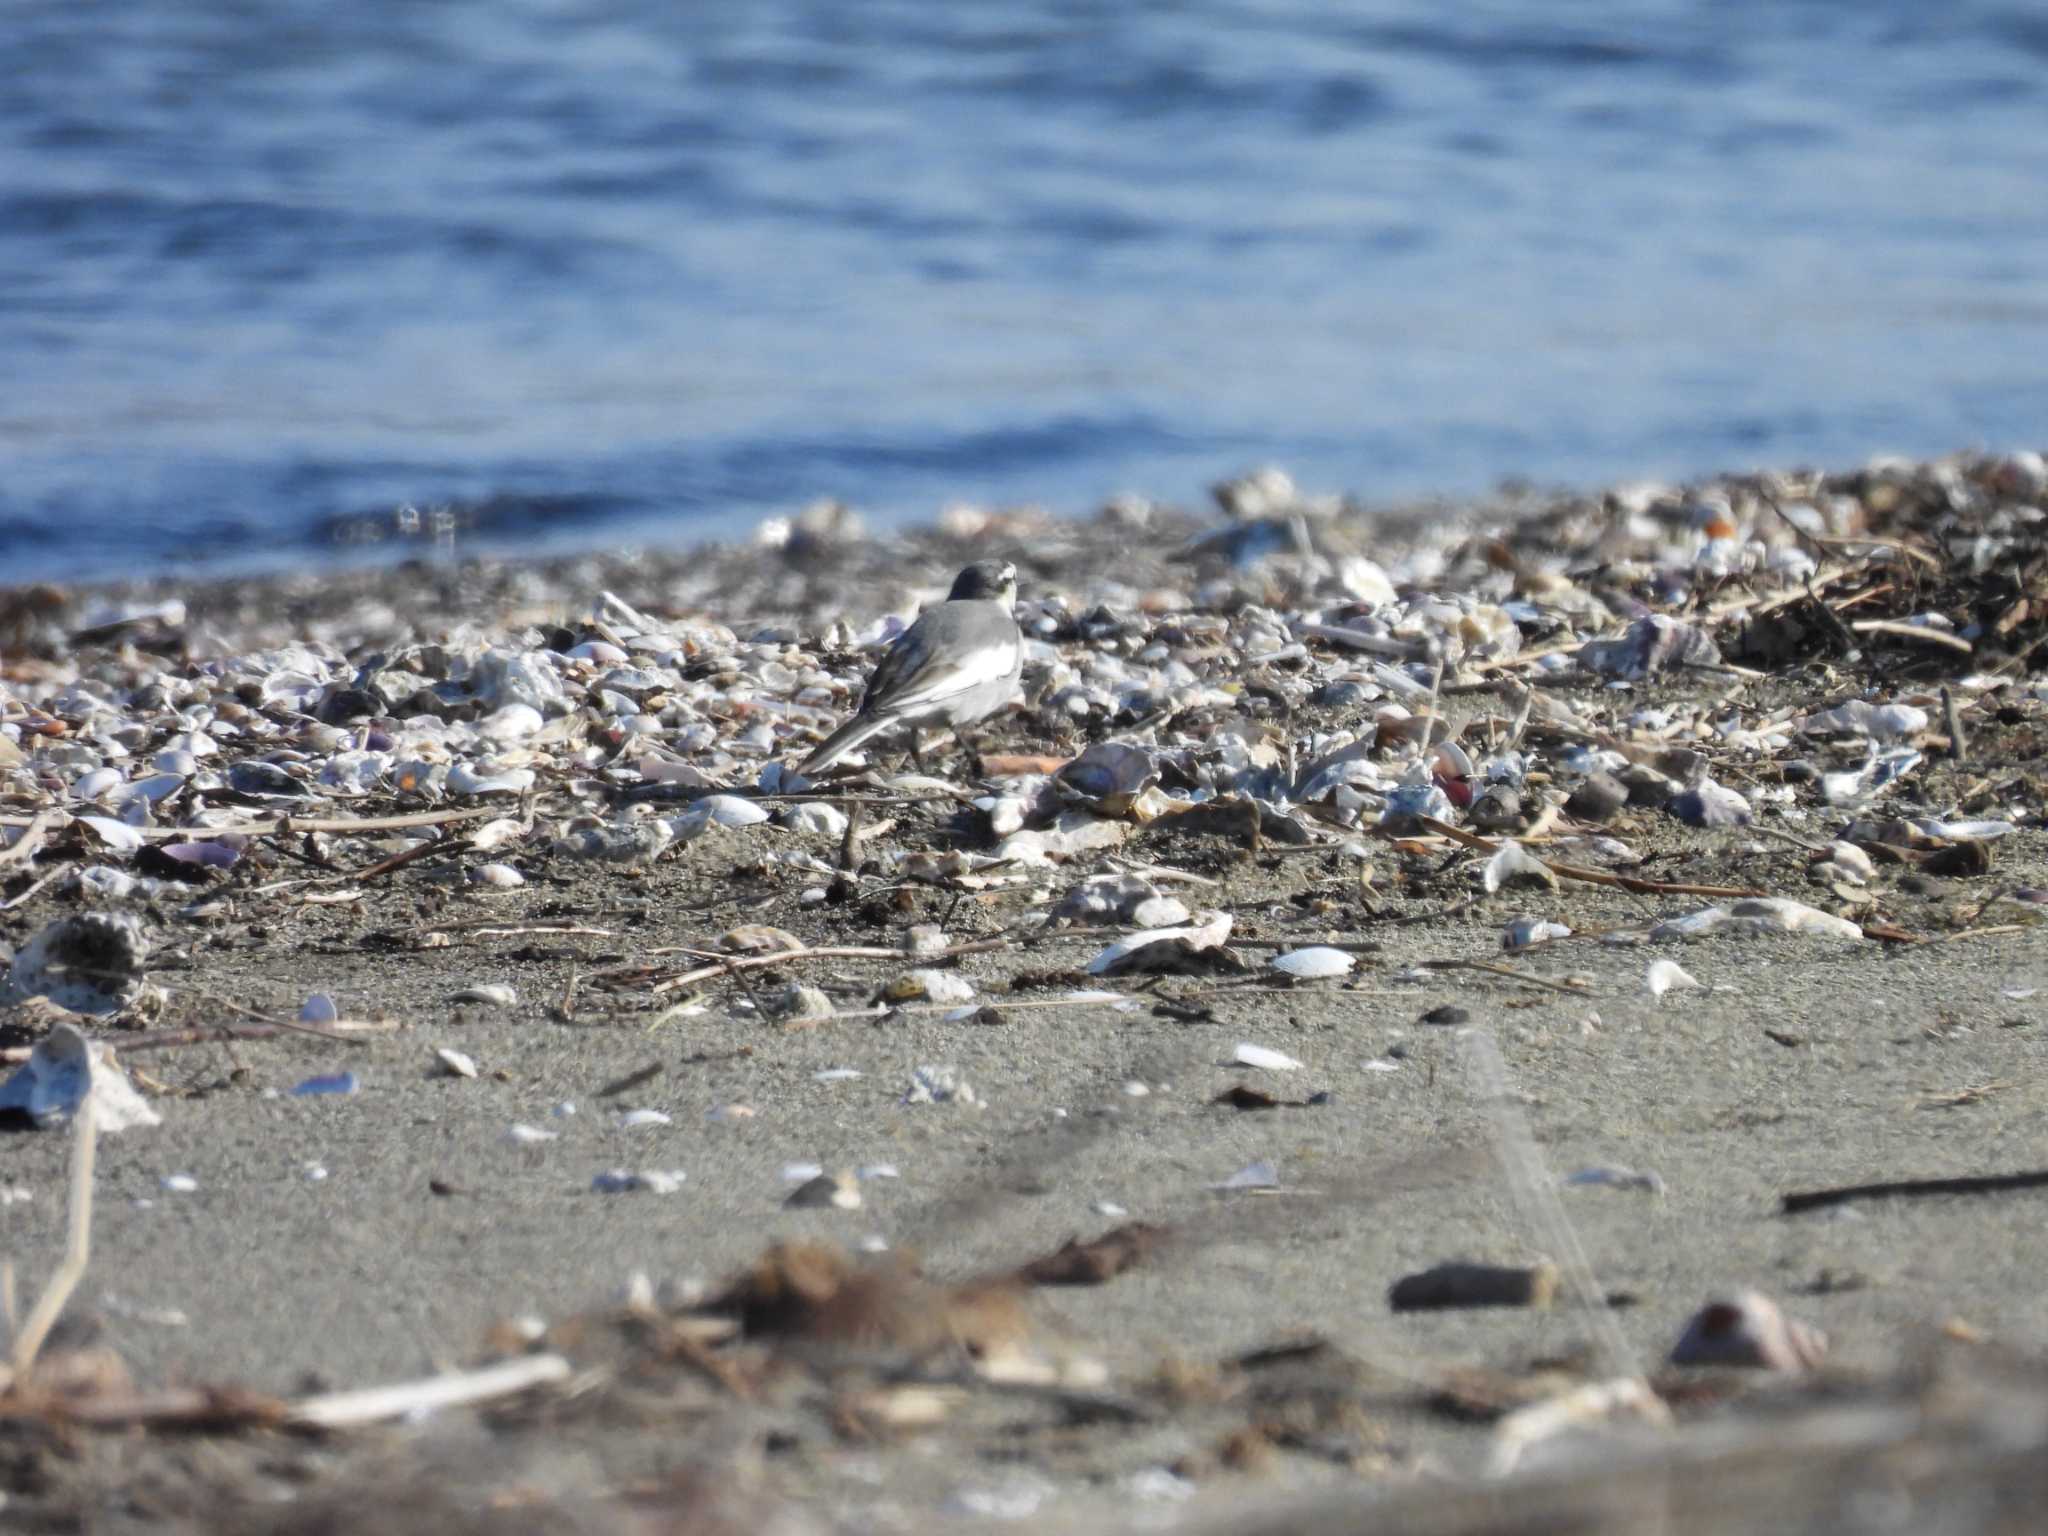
(609, 950)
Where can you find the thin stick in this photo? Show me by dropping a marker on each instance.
(291, 1026)
(1966, 1184)
(287, 825)
(1918, 634)
(369, 1405)
(630, 1081)
(26, 846)
(1604, 877)
(823, 952)
(14, 901)
(402, 858)
(1958, 744)
(849, 860)
(1492, 968)
(77, 1245)
(1534, 1192)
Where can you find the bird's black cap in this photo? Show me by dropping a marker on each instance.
(985, 581)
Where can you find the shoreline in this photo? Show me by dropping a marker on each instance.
(1821, 690)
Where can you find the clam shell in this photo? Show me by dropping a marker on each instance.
(1316, 962)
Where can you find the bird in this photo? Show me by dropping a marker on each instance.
(960, 662)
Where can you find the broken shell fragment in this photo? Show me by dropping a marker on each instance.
(1749, 1330)
(940, 1085)
(1130, 954)
(1108, 777)
(1250, 1055)
(836, 1191)
(1652, 644)
(1526, 932)
(1666, 976)
(456, 1063)
(1757, 915)
(492, 994)
(1512, 866)
(61, 1073)
(655, 1181)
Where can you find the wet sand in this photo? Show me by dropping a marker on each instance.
(1799, 1063)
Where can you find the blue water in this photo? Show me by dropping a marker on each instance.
(652, 270)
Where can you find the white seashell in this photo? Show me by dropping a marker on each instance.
(468, 779)
(1849, 857)
(1664, 975)
(1250, 1055)
(636, 1119)
(458, 1064)
(1859, 718)
(1211, 930)
(92, 785)
(1756, 915)
(1315, 962)
(655, 1181)
(720, 811)
(158, 786)
(502, 876)
(63, 1070)
(800, 1173)
(817, 818)
(603, 652)
(836, 1075)
(1514, 865)
(178, 1183)
(1073, 832)
(1966, 831)
(495, 994)
(1525, 932)
(1006, 813)
(117, 835)
(515, 722)
(1259, 1175)
(529, 1135)
(501, 833)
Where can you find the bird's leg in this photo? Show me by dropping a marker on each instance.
(916, 749)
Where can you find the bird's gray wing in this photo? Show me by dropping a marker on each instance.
(949, 650)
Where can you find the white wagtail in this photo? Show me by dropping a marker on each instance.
(957, 664)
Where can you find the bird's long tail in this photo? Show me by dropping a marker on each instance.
(842, 741)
